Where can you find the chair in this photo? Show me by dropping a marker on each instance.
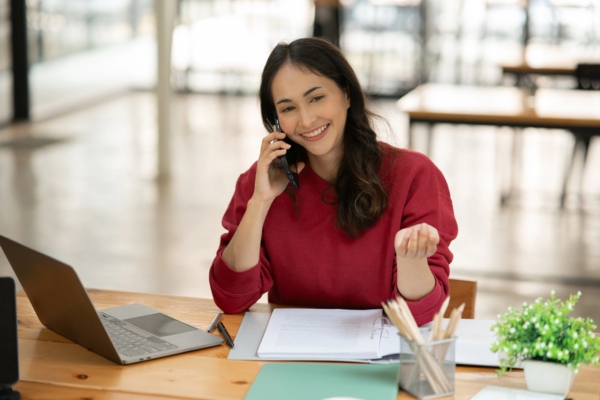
(588, 78)
(462, 291)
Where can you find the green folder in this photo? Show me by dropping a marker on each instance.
(318, 381)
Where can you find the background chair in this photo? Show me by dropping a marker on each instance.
(462, 291)
(588, 78)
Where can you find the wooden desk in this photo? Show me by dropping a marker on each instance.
(52, 367)
(574, 110)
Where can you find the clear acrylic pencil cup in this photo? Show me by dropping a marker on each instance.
(427, 370)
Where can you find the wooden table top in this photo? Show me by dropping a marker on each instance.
(503, 105)
(524, 68)
(53, 367)
(548, 59)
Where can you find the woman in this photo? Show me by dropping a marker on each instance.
(368, 223)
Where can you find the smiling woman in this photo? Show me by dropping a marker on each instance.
(368, 223)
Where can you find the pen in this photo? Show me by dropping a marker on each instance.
(214, 322)
(225, 334)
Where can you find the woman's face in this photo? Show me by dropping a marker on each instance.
(312, 111)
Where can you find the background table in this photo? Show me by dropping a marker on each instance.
(53, 367)
(576, 111)
(525, 73)
(567, 69)
(503, 106)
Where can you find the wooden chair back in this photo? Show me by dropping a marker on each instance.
(462, 291)
(588, 76)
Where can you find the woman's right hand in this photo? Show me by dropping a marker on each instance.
(270, 181)
(243, 251)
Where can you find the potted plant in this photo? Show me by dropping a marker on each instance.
(545, 341)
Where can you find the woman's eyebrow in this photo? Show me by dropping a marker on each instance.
(309, 91)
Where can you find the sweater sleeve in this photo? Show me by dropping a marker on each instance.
(234, 291)
(429, 201)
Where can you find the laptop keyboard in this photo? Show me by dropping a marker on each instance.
(131, 341)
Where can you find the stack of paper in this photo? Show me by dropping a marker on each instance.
(321, 334)
(345, 335)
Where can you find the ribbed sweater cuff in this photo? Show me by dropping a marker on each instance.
(237, 283)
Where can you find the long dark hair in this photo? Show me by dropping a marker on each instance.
(359, 193)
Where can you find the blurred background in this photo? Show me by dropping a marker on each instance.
(80, 147)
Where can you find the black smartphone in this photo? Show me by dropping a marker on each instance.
(285, 166)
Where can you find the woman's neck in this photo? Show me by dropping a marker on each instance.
(326, 167)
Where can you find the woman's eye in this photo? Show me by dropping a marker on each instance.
(290, 108)
(317, 98)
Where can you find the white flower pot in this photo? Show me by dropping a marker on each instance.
(548, 377)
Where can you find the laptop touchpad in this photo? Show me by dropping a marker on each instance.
(160, 325)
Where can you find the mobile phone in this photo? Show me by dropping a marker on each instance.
(285, 166)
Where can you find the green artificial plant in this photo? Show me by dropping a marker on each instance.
(543, 331)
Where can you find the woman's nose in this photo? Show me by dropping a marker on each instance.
(306, 118)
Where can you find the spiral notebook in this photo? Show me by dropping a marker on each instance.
(327, 334)
(324, 335)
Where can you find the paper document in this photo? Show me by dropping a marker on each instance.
(322, 333)
(503, 393)
(474, 340)
(349, 335)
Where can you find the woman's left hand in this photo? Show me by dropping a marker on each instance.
(415, 242)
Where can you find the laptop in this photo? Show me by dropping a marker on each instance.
(124, 335)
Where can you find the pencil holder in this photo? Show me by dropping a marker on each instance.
(427, 370)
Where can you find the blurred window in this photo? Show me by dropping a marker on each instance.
(84, 50)
(63, 27)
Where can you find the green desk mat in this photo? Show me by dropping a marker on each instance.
(317, 381)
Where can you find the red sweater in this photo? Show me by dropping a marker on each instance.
(305, 261)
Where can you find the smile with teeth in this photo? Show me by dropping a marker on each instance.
(315, 132)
